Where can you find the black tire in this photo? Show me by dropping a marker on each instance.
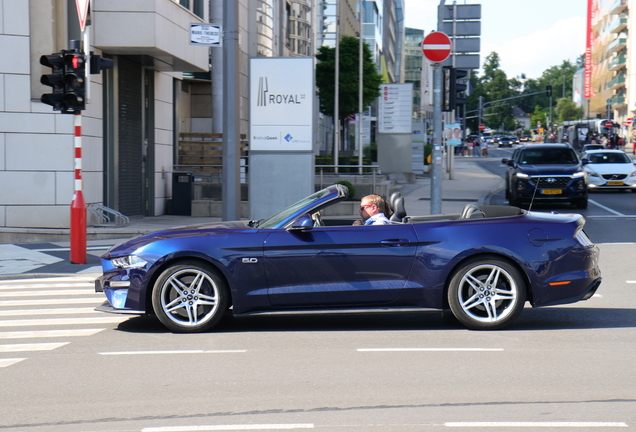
(190, 297)
(513, 201)
(487, 293)
(581, 204)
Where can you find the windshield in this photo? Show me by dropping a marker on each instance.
(274, 220)
(608, 158)
(544, 156)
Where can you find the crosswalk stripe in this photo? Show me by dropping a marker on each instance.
(44, 346)
(46, 293)
(98, 299)
(48, 280)
(52, 285)
(64, 321)
(25, 334)
(58, 311)
(10, 361)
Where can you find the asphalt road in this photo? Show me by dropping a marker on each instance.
(64, 367)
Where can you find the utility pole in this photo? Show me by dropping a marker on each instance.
(436, 168)
(360, 93)
(231, 188)
(336, 106)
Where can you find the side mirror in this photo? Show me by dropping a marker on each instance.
(510, 162)
(504, 161)
(301, 223)
(585, 161)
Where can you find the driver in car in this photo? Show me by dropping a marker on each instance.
(374, 211)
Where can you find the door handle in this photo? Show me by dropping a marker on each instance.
(394, 242)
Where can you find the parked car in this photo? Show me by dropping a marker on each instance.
(482, 264)
(609, 169)
(547, 173)
(591, 147)
(506, 142)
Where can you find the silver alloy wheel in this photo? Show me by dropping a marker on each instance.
(487, 293)
(189, 297)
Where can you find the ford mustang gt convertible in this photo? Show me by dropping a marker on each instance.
(483, 264)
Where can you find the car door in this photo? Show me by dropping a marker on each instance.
(338, 266)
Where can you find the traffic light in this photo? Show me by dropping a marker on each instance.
(458, 87)
(98, 63)
(75, 82)
(446, 88)
(548, 91)
(55, 80)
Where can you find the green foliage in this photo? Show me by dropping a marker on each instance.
(352, 190)
(343, 161)
(371, 151)
(538, 116)
(494, 85)
(567, 110)
(348, 80)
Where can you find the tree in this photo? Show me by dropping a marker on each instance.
(567, 110)
(495, 87)
(538, 116)
(348, 81)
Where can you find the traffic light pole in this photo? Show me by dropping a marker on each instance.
(78, 205)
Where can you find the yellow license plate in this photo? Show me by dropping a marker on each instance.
(615, 183)
(551, 191)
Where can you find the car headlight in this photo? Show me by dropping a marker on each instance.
(128, 261)
(522, 175)
(633, 173)
(592, 173)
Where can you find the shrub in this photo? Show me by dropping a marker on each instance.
(352, 190)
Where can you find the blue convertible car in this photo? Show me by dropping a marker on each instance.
(482, 264)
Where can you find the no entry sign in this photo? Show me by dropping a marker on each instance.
(608, 124)
(436, 47)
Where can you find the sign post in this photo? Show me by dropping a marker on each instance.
(436, 47)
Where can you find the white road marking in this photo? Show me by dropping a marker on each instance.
(172, 352)
(426, 349)
(537, 424)
(237, 427)
(50, 285)
(40, 302)
(58, 311)
(634, 281)
(47, 293)
(10, 361)
(32, 347)
(49, 280)
(64, 321)
(48, 333)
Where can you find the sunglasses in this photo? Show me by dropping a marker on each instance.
(362, 207)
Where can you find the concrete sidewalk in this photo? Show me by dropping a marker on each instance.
(470, 184)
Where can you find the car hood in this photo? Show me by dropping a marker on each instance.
(611, 168)
(208, 229)
(548, 169)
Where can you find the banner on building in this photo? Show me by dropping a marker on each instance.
(281, 103)
(588, 50)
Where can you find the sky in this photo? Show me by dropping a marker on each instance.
(530, 36)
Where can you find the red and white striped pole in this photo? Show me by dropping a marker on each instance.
(78, 206)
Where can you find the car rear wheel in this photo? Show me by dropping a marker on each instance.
(190, 297)
(487, 293)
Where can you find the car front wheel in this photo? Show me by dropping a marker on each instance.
(190, 297)
(487, 293)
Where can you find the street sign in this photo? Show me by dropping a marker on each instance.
(82, 10)
(608, 124)
(463, 28)
(628, 121)
(482, 126)
(206, 34)
(436, 47)
(463, 61)
(464, 12)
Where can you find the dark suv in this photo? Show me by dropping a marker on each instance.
(545, 173)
